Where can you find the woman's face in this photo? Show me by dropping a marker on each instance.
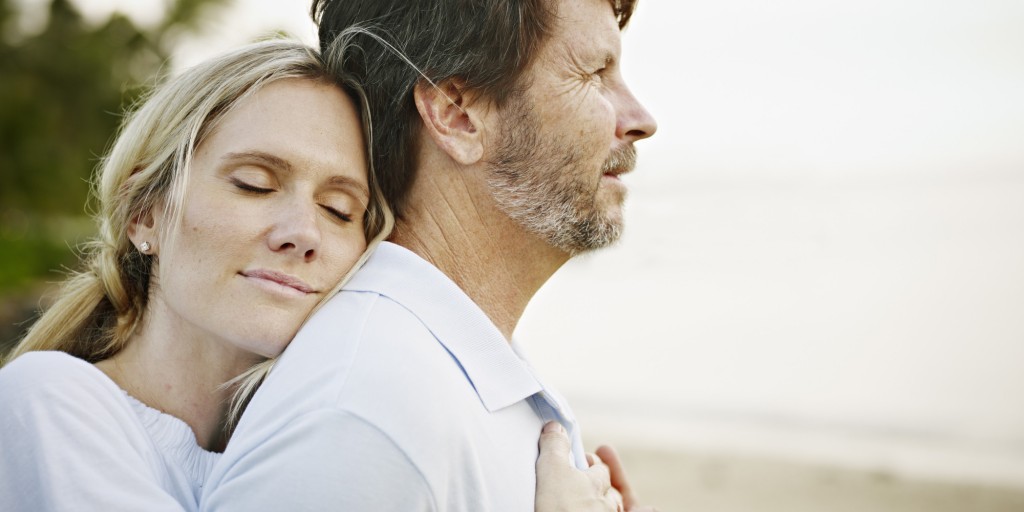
(272, 219)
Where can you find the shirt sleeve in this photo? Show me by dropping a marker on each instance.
(323, 460)
(64, 445)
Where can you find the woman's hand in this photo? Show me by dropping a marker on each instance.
(617, 473)
(563, 488)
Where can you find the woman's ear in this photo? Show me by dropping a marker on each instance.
(142, 231)
(452, 118)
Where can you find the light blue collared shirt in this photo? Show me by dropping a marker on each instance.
(399, 394)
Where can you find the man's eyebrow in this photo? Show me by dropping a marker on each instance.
(260, 157)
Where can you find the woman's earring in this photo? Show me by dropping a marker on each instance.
(144, 247)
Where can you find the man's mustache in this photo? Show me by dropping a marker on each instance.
(620, 161)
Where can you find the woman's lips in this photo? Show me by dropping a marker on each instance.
(279, 278)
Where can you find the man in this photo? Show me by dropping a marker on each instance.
(405, 392)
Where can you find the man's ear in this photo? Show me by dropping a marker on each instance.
(143, 230)
(452, 119)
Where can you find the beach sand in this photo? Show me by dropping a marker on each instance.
(692, 481)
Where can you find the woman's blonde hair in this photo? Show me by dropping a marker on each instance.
(100, 307)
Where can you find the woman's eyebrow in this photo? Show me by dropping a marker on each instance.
(356, 186)
(260, 157)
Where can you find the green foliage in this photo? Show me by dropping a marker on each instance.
(33, 250)
(63, 91)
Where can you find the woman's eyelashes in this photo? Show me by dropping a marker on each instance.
(334, 211)
(338, 214)
(249, 187)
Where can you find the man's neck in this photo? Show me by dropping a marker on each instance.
(453, 223)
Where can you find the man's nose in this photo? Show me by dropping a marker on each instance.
(634, 121)
(296, 231)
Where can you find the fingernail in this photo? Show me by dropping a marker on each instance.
(553, 426)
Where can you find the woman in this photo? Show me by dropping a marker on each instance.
(233, 202)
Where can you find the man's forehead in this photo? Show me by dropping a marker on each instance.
(586, 22)
(571, 12)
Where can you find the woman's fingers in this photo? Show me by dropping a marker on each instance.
(613, 500)
(598, 474)
(617, 474)
(554, 445)
(619, 482)
(561, 487)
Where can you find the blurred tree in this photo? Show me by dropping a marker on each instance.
(62, 92)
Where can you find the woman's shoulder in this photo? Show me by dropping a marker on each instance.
(58, 400)
(48, 366)
(65, 426)
(44, 359)
(57, 377)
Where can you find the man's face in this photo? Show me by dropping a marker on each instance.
(566, 140)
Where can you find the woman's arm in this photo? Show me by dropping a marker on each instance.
(66, 443)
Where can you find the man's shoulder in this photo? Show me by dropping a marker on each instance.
(350, 326)
(402, 362)
(371, 356)
(377, 374)
(355, 348)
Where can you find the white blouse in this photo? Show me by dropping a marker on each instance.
(71, 439)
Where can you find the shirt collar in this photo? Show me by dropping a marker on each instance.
(500, 377)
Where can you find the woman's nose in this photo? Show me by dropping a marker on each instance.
(297, 231)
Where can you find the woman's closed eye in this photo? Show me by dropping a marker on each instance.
(249, 187)
(336, 213)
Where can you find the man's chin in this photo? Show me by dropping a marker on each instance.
(593, 235)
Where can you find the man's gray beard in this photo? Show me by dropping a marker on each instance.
(540, 185)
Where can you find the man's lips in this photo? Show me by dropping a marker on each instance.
(615, 173)
(280, 278)
(619, 162)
